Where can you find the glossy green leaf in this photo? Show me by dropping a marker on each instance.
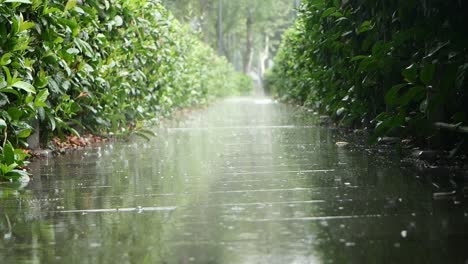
(392, 96)
(328, 12)
(41, 98)
(70, 4)
(3, 124)
(6, 169)
(24, 133)
(358, 58)
(24, 86)
(364, 27)
(8, 154)
(411, 74)
(6, 59)
(15, 114)
(18, 1)
(9, 79)
(9, 91)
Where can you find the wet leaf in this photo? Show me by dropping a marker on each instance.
(6, 59)
(3, 124)
(392, 96)
(118, 21)
(8, 154)
(41, 98)
(18, 1)
(411, 73)
(24, 133)
(73, 51)
(24, 86)
(328, 12)
(70, 4)
(364, 27)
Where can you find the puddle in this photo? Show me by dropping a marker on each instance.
(246, 181)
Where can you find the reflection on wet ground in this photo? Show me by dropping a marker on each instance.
(246, 181)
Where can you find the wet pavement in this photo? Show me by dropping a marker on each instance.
(245, 181)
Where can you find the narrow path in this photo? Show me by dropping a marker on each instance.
(246, 181)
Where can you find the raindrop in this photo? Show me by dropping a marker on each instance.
(94, 245)
(341, 144)
(350, 244)
(237, 209)
(404, 234)
(397, 245)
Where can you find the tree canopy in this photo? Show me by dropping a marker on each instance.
(247, 32)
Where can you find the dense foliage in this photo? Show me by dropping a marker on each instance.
(101, 66)
(396, 66)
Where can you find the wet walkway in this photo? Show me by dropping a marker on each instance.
(246, 181)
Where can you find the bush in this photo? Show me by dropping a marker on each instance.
(397, 66)
(97, 66)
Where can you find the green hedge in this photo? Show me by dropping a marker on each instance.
(397, 66)
(100, 66)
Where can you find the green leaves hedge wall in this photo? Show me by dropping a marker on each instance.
(397, 66)
(96, 65)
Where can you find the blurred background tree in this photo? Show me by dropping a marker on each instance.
(246, 32)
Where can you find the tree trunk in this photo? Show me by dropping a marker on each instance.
(220, 28)
(264, 55)
(248, 57)
(204, 20)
